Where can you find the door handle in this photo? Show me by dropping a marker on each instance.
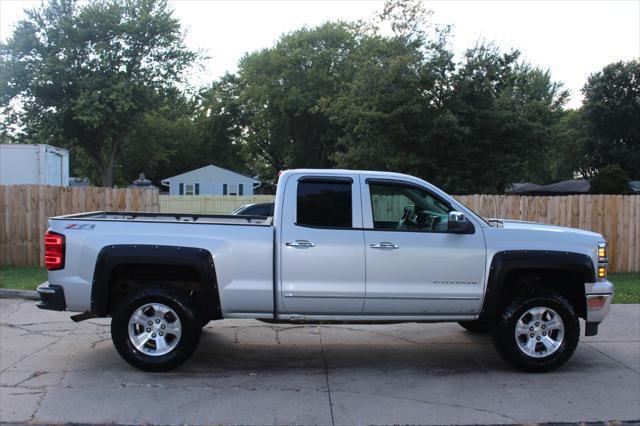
(385, 245)
(300, 243)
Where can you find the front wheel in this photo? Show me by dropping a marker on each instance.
(156, 329)
(537, 332)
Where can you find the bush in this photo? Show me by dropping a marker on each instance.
(611, 179)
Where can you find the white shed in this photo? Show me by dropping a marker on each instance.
(211, 180)
(23, 164)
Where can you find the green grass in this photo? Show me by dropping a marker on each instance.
(22, 277)
(627, 285)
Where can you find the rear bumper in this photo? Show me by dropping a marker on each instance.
(599, 296)
(51, 297)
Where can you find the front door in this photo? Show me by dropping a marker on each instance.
(413, 265)
(322, 247)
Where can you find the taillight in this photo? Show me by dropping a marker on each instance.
(53, 250)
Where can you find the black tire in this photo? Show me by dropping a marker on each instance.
(503, 331)
(191, 328)
(479, 327)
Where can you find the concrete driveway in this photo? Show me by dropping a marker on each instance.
(246, 372)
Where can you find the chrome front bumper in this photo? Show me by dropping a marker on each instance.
(599, 297)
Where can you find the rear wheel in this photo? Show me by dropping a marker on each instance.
(537, 332)
(156, 329)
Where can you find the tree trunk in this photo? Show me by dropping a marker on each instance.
(107, 178)
(104, 168)
(109, 168)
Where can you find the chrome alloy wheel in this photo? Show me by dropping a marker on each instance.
(155, 329)
(539, 332)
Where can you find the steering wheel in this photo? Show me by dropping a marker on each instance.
(408, 220)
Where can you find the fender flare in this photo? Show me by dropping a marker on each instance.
(505, 262)
(112, 256)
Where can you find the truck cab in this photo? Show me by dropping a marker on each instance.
(375, 246)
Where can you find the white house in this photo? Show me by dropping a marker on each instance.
(211, 180)
(30, 164)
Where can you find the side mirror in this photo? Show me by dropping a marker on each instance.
(458, 224)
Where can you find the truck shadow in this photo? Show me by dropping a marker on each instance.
(275, 349)
(269, 350)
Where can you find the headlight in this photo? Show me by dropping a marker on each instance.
(603, 258)
(603, 255)
(602, 272)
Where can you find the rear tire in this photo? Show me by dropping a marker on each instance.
(156, 328)
(537, 332)
(478, 327)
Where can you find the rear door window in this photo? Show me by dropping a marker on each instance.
(324, 203)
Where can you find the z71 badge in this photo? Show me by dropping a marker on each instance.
(80, 226)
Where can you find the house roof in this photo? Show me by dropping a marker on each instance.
(521, 187)
(573, 186)
(210, 173)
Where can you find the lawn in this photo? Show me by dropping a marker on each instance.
(22, 277)
(627, 286)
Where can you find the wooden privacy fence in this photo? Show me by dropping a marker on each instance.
(616, 217)
(208, 204)
(24, 211)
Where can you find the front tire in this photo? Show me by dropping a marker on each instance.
(537, 332)
(156, 329)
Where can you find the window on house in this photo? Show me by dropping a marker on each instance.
(232, 189)
(189, 189)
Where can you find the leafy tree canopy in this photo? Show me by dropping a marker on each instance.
(104, 79)
(86, 74)
(610, 179)
(611, 110)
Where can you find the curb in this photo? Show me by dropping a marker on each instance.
(6, 293)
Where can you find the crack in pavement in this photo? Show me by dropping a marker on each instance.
(611, 358)
(35, 352)
(326, 375)
(443, 404)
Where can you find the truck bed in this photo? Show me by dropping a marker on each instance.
(169, 218)
(241, 247)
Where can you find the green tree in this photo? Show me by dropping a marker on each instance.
(219, 126)
(392, 104)
(611, 110)
(567, 155)
(280, 90)
(610, 179)
(85, 74)
(163, 142)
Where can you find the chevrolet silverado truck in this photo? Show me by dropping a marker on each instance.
(342, 246)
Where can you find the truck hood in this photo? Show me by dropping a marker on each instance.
(543, 227)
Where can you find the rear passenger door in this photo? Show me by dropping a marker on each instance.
(322, 247)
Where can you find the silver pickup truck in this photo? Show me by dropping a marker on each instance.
(342, 246)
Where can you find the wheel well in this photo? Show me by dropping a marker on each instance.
(570, 284)
(126, 278)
